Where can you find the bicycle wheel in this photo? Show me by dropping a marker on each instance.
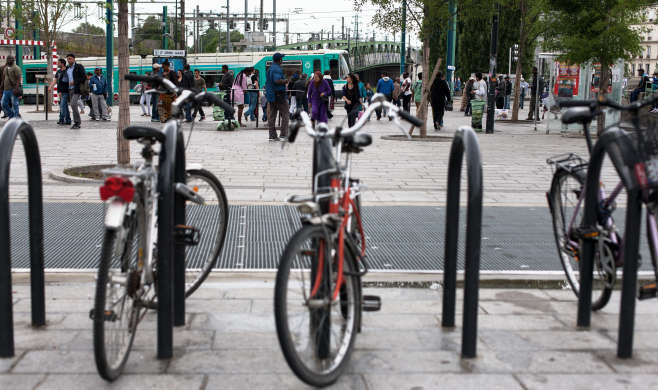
(316, 335)
(115, 313)
(567, 214)
(212, 218)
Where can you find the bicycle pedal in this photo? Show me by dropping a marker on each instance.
(109, 315)
(371, 303)
(187, 235)
(647, 291)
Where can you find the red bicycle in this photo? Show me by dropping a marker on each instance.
(318, 298)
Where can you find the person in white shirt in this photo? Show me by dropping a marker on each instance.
(524, 85)
(480, 87)
(406, 92)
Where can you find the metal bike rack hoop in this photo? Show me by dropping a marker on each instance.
(179, 219)
(617, 145)
(464, 142)
(13, 129)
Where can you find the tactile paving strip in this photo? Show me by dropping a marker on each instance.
(398, 237)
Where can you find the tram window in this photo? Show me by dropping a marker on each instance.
(288, 67)
(31, 75)
(333, 68)
(317, 66)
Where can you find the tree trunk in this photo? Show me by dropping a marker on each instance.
(425, 99)
(523, 36)
(123, 146)
(603, 90)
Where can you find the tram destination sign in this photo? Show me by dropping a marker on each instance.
(168, 53)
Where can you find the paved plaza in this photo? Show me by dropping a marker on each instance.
(527, 339)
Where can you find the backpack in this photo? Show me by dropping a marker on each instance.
(84, 87)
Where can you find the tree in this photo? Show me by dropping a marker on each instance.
(50, 17)
(123, 146)
(89, 29)
(212, 37)
(529, 12)
(595, 31)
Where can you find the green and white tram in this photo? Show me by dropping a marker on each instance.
(210, 66)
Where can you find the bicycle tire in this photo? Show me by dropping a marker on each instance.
(349, 299)
(111, 370)
(220, 236)
(560, 217)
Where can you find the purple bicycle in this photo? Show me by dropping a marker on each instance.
(566, 201)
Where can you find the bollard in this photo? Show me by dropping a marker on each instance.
(14, 128)
(179, 219)
(615, 143)
(464, 141)
(166, 203)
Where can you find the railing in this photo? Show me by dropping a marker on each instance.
(13, 129)
(464, 142)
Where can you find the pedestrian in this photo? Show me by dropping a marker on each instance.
(384, 86)
(641, 87)
(239, 88)
(186, 81)
(145, 98)
(12, 89)
(167, 98)
(352, 99)
(469, 94)
(85, 100)
(523, 86)
(275, 91)
(508, 92)
(654, 88)
(155, 98)
(300, 88)
(77, 78)
(62, 82)
(98, 88)
(478, 102)
(458, 86)
(407, 94)
(319, 94)
(292, 97)
(363, 94)
(369, 93)
(537, 82)
(2, 88)
(254, 95)
(200, 85)
(396, 92)
(439, 96)
(332, 98)
(226, 85)
(417, 91)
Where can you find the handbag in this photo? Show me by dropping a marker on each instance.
(449, 105)
(18, 91)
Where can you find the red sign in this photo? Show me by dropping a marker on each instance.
(568, 78)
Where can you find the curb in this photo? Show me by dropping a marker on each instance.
(59, 175)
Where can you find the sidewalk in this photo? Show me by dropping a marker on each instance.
(527, 340)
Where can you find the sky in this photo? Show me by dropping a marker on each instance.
(305, 16)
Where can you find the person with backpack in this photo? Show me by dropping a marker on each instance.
(98, 90)
(384, 86)
(77, 79)
(11, 76)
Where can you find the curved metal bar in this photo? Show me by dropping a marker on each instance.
(618, 146)
(179, 219)
(464, 141)
(8, 135)
(166, 202)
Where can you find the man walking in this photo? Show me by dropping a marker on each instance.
(332, 98)
(11, 82)
(98, 89)
(536, 87)
(406, 92)
(155, 114)
(62, 82)
(439, 95)
(508, 92)
(300, 92)
(188, 83)
(524, 87)
(385, 87)
(200, 85)
(277, 101)
(226, 85)
(76, 76)
(167, 98)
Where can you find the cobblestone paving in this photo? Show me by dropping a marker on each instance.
(527, 340)
(254, 170)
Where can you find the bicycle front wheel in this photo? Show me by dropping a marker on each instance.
(212, 218)
(116, 312)
(567, 213)
(316, 334)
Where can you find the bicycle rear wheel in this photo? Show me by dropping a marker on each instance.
(212, 217)
(567, 215)
(316, 335)
(116, 312)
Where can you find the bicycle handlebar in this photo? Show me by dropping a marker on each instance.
(213, 100)
(605, 102)
(158, 80)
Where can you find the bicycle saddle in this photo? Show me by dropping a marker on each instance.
(359, 140)
(139, 132)
(577, 115)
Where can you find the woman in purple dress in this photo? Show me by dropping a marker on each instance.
(318, 95)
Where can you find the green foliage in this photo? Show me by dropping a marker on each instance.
(89, 29)
(151, 29)
(594, 30)
(212, 36)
